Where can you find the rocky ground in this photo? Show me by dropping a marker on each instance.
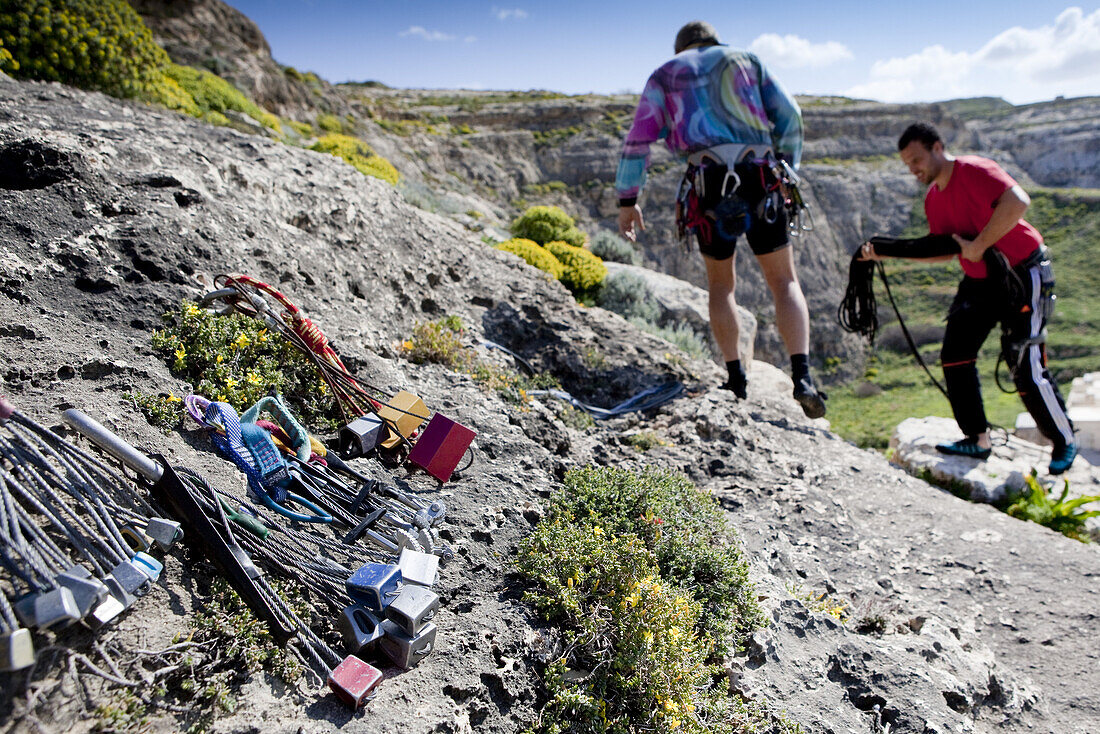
(961, 618)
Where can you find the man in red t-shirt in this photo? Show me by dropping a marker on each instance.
(982, 207)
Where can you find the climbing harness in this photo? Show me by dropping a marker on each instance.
(779, 184)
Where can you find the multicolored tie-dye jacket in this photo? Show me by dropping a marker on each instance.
(704, 97)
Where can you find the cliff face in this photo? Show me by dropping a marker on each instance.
(963, 619)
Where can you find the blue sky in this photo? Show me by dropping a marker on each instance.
(886, 50)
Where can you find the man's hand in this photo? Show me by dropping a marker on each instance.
(628, 217)
(867, 252)
(972, 250)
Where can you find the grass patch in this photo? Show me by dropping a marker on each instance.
(639, 573)
(441, 342)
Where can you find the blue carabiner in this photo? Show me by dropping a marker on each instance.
(320, 516)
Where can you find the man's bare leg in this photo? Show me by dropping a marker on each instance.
(724, 322)
(792, 318)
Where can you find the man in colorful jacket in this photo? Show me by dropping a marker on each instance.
(720, 109)
(982, 207)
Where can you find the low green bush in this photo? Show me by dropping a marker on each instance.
(680, 335)
(1065, 516)
(236, 360)
(358, 154)
(213, 95)
(534, 254)
(638, 573)
(548, 224)
(610, 246)
(94, 44)
(629, 296)
(584, 272)
(330, 123)
(7, 61)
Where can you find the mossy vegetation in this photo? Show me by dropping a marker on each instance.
(358, 154)
(639, 573)
(534, 255)
(583, 272)
(94, 44)
(545, 224)
(212, 97)
(441, 342)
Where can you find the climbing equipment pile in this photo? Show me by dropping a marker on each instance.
(76, 539)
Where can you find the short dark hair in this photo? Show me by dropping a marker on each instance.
(922, 132)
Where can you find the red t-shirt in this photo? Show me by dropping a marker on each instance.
(965, 206)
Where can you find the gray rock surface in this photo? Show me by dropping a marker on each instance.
(963, 619)
(683, 303)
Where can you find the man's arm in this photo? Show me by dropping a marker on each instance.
(1008, 209)
(785, 116)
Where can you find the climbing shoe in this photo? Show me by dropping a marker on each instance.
(810, 398)
(737, 387)
(1062, 458)
(966, 447)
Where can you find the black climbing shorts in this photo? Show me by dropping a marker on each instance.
(755, 209)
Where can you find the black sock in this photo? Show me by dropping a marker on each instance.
(737, 372)
(800, 366)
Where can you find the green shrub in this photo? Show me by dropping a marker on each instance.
(7, 61)
(680, 335)
(584, 272)
(629, 296)
(610, 246)
(547, 224)
(236, 360)
(1066, 517)
(358, 154)
(95, 44)
(215, 96)
(638, 573)
(304, 129)
(535, 255)
(330, 123)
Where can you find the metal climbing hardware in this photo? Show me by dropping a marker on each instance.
(353, 681)
(16, 650)
(375, 585)
(148, 565)
(88, 592)
(413, 608)
(405, 412)
(130, 577)
(441, 446)
(403, 649)
(163, 531)
(419, 568)
(360, 628)
(44, 610)
(362, 435)
(1047, 298)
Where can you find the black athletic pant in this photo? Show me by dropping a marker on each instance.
(978, 306)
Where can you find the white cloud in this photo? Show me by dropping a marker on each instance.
(1019, 64)
(422, 32)
(509, 13)
(469, 39)
(792, 51)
